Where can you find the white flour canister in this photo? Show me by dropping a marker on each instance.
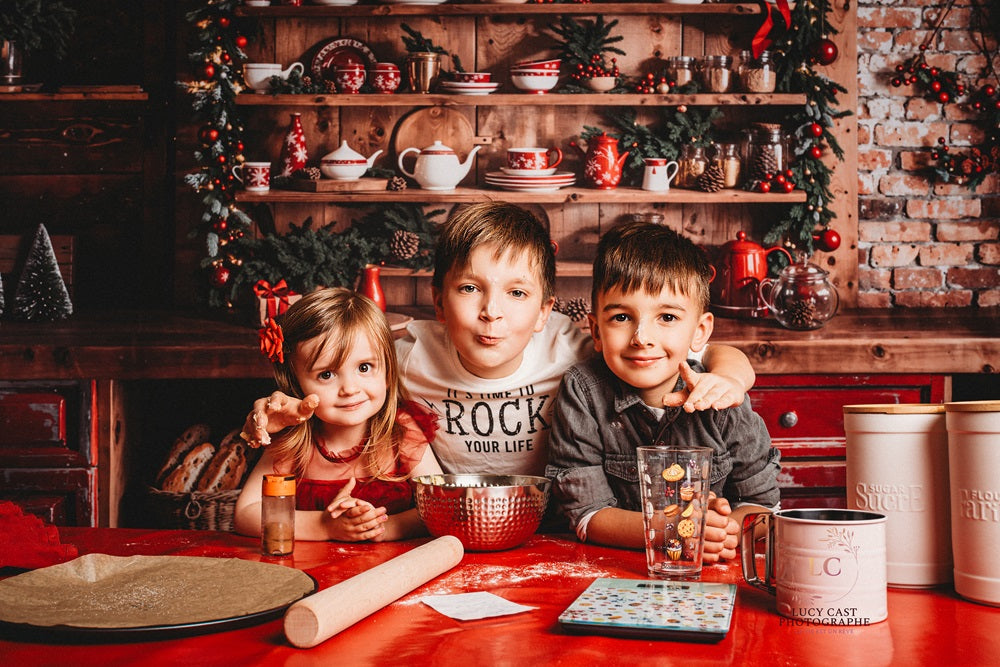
(974, 459)
(897, 464)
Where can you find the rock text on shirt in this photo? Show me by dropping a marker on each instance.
(495, 422)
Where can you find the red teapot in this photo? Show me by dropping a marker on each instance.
(603, 165)
(741, 266)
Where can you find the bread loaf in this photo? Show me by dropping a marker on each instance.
(226, 469)
(192, 435)
(184, 477)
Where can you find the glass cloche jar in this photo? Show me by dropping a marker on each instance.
(801, 297)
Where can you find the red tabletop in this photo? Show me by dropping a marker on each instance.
(548, 572)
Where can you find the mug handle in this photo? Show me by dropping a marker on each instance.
(237, 172)
(748, 560)
(765, 290)
(559, 157)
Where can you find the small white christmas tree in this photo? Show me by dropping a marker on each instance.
(41, 294)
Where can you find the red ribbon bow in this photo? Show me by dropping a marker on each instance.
(760, 40)
(276, 296)
(272, 342)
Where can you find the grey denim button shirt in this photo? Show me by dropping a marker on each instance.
(599, 421)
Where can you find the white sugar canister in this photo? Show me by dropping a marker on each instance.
(974, 460)
(897, 464)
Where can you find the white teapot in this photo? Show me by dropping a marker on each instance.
(345, 164)
(437, 166)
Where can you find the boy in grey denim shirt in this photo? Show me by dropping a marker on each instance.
(650, 296)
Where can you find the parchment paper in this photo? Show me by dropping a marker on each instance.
(102, 591)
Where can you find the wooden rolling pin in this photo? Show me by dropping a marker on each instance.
(315, 619)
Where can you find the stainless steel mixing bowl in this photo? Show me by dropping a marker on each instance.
(486, 512)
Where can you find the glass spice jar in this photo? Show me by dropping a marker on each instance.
(680, 69)
(716, 73)
(277, 515)
(758, 75)
(727, 157)
(692, 164)
(766, 153)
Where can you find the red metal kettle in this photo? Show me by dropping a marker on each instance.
(741, 266)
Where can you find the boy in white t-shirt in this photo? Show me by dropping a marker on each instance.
(491, 364)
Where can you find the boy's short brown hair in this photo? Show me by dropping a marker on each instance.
(509, 227)
(646, 256)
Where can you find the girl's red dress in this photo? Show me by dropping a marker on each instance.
(395, 496)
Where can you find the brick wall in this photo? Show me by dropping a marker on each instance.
(920, 242)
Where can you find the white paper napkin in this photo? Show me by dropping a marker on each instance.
(470, 606)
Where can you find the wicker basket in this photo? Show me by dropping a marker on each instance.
(198, 511)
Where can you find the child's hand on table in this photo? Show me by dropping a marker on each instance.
(354, 520)
(271, 414)
(704, 391)
(721, 532)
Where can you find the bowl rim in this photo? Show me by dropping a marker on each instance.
(474, 481)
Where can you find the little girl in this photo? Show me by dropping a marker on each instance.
(353, 457)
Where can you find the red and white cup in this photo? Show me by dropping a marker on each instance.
(349, 78)
(473, 77)
(531, 159)
(255, 176)
(386, 78)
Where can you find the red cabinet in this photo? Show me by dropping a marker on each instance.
(804, 415)
(47, 450)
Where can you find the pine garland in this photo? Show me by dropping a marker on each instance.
(217, 58)
(306, 257)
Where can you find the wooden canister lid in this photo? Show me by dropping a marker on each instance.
(973, 406)
(895, 408)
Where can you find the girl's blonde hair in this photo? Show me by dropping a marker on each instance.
(337, 315)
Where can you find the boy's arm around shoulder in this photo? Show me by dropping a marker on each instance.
(728, 376)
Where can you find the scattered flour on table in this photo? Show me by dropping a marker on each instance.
(470, 578)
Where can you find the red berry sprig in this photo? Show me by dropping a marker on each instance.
(652, 83)
(780, 182)
(595, 68)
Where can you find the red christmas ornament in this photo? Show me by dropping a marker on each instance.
(219, 276)
(828, 240)
(816, 129)
(241, 41)
(223, 21)
(816, 151)
(208, 135)
(825, 52)
(764, 186)
(788, 186)
(209, 70)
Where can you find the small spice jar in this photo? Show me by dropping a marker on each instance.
(680, 69)
(716, 73)
(727, 156)
(692, 164)
(766, 151)
(758, 75)
(277, 515)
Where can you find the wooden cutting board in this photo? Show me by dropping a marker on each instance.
(423, 127)
(330, 185)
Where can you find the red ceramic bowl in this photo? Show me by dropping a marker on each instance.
(473, 77)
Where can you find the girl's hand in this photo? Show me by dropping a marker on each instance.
(704, 391)
(271, 414)
(354, 520)
(721, 532)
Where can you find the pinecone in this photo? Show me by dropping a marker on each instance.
(404, 244)
(764, 163)
(712, 179)
(801, 314)
(575, 309)
(308, 174)
(396, 184)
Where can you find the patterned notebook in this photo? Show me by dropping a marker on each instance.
(685, 611)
